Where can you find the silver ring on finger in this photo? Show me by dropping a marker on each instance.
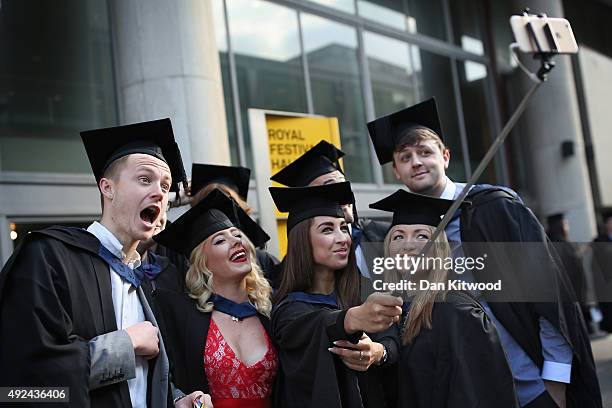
(360, 355)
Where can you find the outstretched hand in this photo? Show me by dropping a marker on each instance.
(360, 356)
(376, 314)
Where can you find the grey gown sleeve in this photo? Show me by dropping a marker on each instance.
(112, 359)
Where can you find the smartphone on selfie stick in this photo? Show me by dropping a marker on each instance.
(541, 34)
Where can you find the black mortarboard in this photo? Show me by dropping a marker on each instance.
(410, 208)
(306, 202)
(154, 138)
(386, 131)
(555, 218)
(235, 177)
(214, 213)
(320, 159)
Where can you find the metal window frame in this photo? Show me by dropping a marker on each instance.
(368, 98)
(447, 49)
(422, 41)
(234, 89)
(305, 69)
(492, 97)
(450, 35)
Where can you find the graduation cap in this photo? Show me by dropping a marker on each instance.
(235, 177)
(214, 213)
(306, 202)
(410, 208)
(386, 131)
(320, 159)
(155, 138)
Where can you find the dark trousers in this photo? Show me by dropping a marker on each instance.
(543, 401)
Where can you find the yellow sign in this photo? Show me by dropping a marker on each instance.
(289, 138)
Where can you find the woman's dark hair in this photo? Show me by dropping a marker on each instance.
(298, 269)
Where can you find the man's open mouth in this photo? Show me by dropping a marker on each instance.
(150, 214)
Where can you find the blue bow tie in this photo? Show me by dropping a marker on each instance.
(133, 276)
(152, 267)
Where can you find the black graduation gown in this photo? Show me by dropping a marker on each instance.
(370, 242)
(497, 216)
(269, 264)
(169, 278)
(572, 263)
(185, 330)
(312, 377)
(55, 296)
(180, 262)
(457, 363)
(379, 385)
(373, 231)
(602, 256)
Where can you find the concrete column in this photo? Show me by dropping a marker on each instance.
(167, 65)
(556, 184)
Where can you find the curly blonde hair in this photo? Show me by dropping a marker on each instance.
(200, 281)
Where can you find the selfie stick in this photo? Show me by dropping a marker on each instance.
(546, 66)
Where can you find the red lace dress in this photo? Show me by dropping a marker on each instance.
(232, 383)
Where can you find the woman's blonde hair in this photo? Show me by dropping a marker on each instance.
(421, 306)
(200, 281)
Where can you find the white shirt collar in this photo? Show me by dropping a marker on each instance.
(449, 190)
(111, 243)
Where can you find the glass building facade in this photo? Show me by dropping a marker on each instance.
(352, 59)
(357, 60)
(56, 79)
